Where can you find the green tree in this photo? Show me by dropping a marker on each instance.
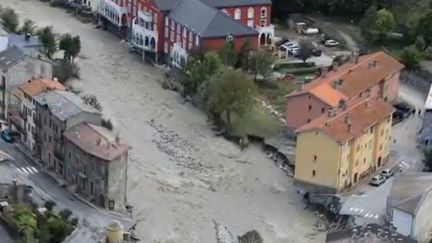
(9, 19)
(368, 21)
(28, 27)
(26, 223)
(231, 92)
(260, 62)
(55, 230)
(49, 205)
(48, 40)
(198, 70)
(384, 24)
(305, 50)
(91, 100)
(410, 56)
(71, 46)
(251, 237)
(243, 57)
(227, 54)
(424, 27)
(65, 214)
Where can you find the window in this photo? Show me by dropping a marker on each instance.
(172, 25)
(250, 13)
(322, 110)
(358, 148)
(155, 18)
(382, 132)
(172, 35)
(380, 147)
(237, 14)
(166, 21)
(250, 23)
(315, 158)
(308, 120)
(371, 130)
(197, 40)
(184, 33)
(49, 139)
(178, 38)
(190, 36)
(178, 29)
(370, 145)
(70, 155)
(166, 32)
(364, 160)
(263, 22)
(263, 12)
(310, 107)
(313, 173)
(166, 47)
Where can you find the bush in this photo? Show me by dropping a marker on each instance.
(91, 100)
(63, 71)
(280, 66)
(410, 56)
(49, 205)
(65, 213)
(74, 221)
(299, 71)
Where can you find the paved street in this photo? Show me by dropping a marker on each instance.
(4, 236)
(45, 188)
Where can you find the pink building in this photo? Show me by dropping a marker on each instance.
(375, 74)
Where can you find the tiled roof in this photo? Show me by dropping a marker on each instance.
(235, 3)
(328, 94)
(96, 140)
(354, 78)
(63, 104)
(350, 122)
(165, 5)
(207, 21)
(409, 191)
(36, 86)
(11, 56)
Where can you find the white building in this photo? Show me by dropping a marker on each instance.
(409, 205)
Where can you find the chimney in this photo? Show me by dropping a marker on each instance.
(374, 63)
(356, 57)
(27, 37)
(331, 112)
(342, 104)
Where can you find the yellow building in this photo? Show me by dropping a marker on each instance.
(337, 149)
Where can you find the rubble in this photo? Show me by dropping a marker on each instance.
(181, 151)
(223, 235)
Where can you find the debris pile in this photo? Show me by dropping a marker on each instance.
(223, 235)
(181, 151)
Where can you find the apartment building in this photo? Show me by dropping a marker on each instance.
(96, 162)
(372, 75)
(338, 148)
(23, 118)
(57, 111)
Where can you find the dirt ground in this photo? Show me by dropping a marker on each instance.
(181, 177)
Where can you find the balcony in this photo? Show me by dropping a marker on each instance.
(58, 154)
(114, 13)
(144, 36)
(266, 34)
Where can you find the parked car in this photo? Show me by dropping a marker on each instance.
(387, 173)
(316, 52)
(7, 136)
(282, 41)
(377, 180)
(402, 106)
(331, 43)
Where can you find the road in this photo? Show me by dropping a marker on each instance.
(403, 151)
(4, 236)
(181, 176)
(92, 219)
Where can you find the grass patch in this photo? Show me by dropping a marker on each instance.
(258, 122)
(295, 65)
(275, 93)
(299, 71)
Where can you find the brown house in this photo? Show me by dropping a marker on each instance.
(375, 74)
(96, 162)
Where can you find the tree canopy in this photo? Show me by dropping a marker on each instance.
(48, 40)
(231, 92)
(9, 19)
(71, 45)
(28, 27)
(260, 62)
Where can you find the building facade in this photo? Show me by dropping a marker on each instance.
(166, 28)
(373, 75)
(57, 111)
(23, 119)
(16, 68)
(337, 149)
(409, 204)
(96, 162)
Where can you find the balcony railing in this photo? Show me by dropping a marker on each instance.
(143, 34)
(58, 154)
(114, 13)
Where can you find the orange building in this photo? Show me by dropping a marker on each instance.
(372, 75)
